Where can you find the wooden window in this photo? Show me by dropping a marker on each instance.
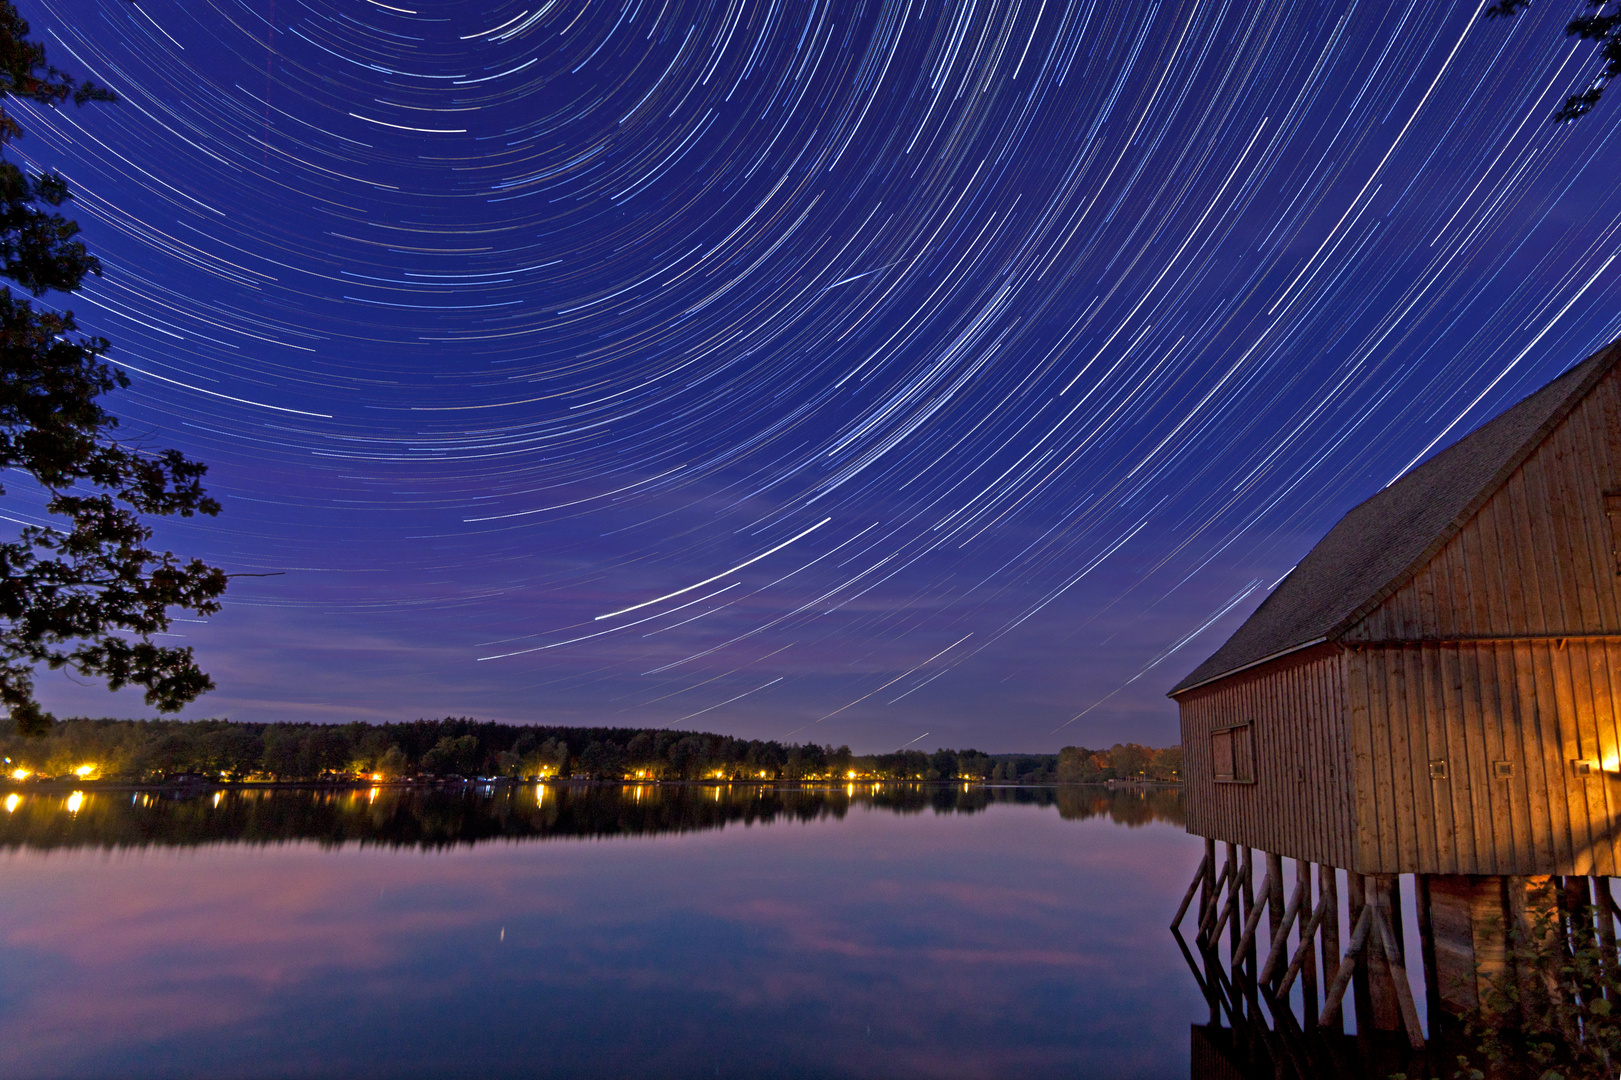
(1232, 755)
(1612, 510)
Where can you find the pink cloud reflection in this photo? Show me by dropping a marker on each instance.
(929, 924)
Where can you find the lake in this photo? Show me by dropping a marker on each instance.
(579, 930)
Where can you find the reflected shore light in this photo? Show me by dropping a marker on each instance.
(75, 801)
(12, 802)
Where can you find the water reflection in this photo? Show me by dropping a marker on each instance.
(906, 931)
(440, 817)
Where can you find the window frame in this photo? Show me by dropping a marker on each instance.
(1239, 740)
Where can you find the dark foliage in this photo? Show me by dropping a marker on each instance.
(90, 593)
(467, 748)
(1601, 26)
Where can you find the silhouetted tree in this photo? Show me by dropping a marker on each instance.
(452, 755)
(69, 594)
(1602, 26)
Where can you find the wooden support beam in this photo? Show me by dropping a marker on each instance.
(1209, 918)
(1280, 935)
(1609, 901)
(1214, 937)
(1376, 1006)
(1328, 888)
(1250, 924)
(1193, 889)
(1303, 961)
(1244, 973)
(1520, 945)
(1207, 896)
(1242, 886)
(1307, 967)
(1342, 977)
(1274, 898)
(1379, 891)
(1205, 987)
(1583, 927)
(1426, 950)
(1606, 928)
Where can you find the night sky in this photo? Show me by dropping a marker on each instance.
(860, 372)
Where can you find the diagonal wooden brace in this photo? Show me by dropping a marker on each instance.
(1304, 951)
(1398, 973)
(1248, 940)
(1280, 940)
(1342, 979)
(1198, 879)
(1210, 916)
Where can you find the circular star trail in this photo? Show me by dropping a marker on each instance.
(843, 372)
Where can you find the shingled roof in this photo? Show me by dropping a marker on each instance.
(1381, 544)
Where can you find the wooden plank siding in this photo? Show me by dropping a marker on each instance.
(1537, 559)
(1299, 804)
(1483, 702)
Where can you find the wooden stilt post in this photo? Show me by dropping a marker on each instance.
(1347, 967)
(1583, 937)
(1187, 900)
(1235, 893)
(1361, 994)
(1246, 941)
(1249, 909)
(1244, 971)
(1305, 960)
(1274, 898)
(1426, 951)
(1384, 897)
(1385, 1013)
(1329, 932)
(1209, 928)
(1603, 907)
(1207, 890)
(1280, 937)
(1520, 948)
(1562, 907)
(1308, 936)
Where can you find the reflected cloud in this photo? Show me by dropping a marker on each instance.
(876, 943)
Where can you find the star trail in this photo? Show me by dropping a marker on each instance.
(835, 371)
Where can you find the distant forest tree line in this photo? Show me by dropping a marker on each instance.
(437, 817)
(139, 750)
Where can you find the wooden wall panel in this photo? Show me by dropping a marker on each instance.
(1300, 804)
(1535, 706)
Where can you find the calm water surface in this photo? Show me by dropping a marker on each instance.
(903, 931)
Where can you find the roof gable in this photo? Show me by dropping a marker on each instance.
(1381, 543)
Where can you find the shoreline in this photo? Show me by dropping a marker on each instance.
(10, 786)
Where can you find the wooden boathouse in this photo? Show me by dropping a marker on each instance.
(1434, 690)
